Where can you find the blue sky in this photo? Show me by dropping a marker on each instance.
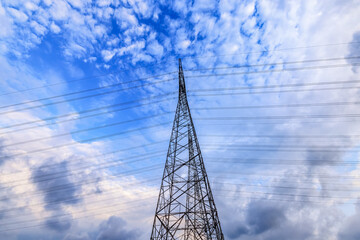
(51, 48)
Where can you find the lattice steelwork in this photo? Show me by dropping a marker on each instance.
(186, 208)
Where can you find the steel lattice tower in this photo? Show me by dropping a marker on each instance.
(186, 208)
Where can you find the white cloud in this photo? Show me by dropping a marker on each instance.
(105, 13)
(30, 6)
(181, 7)
(60, 10)
(126, 17)
(99, 30)
(20, 16)
(144, 8)
(204, 5)
(107, 55)
(79, 3)
(39, 29)
(182, 39)
(73, 49)
(6, 23)
(48, 2)
(104, 3)
(55, 28)
(155, 48)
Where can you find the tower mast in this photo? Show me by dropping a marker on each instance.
(186, 208)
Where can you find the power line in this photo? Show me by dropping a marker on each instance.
(109, 106)
(165, 123)
(244, 161)
(283, 149)
(273, 64)
(208, 75)
(266, 193)
(80, 160)
(76, 197)
(111, 190)
(102, 75)
(215, 108)
(147, 181)
(67, 186)
(231, 144)
(276, 86)
(90, 110)
(65, 214)
(281, 106)
(248, 178)
(71, 81)
(286, 187)
(281, 91)
(224, 190)
(282, 136)
(165, 74)
(292, 176)
(276, 123)
(88, 129)
(255, 161)
(118, 162)
(256, 185)
(62, 187)
(325, 116)
(95, 89)
(68, 100)
(86, 140)
(274, 50)
(212, 118)
(83, 117)
(276, 70)
(137, 160)
(290, 195)
(327, 136)
(285, 200)
(196, 90)
(222, 196)
(112, 163)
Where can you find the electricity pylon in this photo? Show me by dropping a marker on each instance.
(186, 208)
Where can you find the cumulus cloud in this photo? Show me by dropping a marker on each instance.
(7, 23)
(350, 230)
(18, 15)
(55, 28)
(57, 188)
(115, 228)
(58, 224)
(60, 10)
(83, 236)
(3, 156)
(126, 17)
(354, 50)
(315, 158)
(263, 216)
(155, 48)
(237, 230)
(107, 55)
